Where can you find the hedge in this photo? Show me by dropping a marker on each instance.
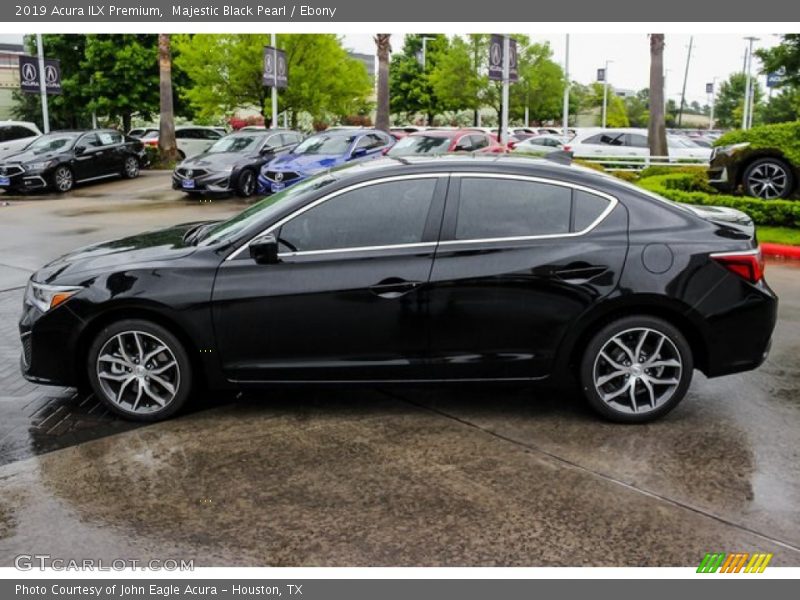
(688, 188)
(783, 136)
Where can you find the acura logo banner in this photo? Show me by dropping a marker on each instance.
(29, 75)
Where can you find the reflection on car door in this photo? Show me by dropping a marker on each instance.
(346, 300)
(114, 156)
(95, 159)
(513, 271)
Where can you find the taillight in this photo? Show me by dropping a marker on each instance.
(748, 265)
(566, 148)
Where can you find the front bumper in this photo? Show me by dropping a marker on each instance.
(25, 181)
(270, 185)
(214, 182)
(49, 344)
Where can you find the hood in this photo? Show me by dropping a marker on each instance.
(29, 156)
(213, 161)
(160, 245)
(307, 163)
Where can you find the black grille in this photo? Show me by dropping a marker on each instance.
(26, 349)
(185, 173)
(10, 170)
(282, 175)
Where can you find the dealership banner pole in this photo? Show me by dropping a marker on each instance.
(502, 136)
(42, 85)
(566, 91)
(274, 124)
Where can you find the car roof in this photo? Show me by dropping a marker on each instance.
(446, 132)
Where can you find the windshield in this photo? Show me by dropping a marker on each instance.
(236, 143)
(262, 210)
(420, 144)
(325, 144)
(52, 142)
(150, 135)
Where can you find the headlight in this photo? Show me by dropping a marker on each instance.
(732, 149)
(44, 297)
(39, 166)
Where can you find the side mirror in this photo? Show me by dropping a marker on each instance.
(359, 152)
(80, 150)
(264, 249)
(267, 150)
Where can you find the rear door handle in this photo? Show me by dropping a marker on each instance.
(394, 287)
(579, 275)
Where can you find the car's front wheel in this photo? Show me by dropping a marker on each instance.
(63, 179)
(636, 369)
(130, 169)
(246, 184)
(768, 178)
(140, 370)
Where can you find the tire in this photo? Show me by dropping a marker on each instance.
(246, 183)
(63, 179)
(123, 381)
(769, 179)
(130, 168)
(607, 371)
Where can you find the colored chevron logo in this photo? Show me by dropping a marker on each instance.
(737, 562)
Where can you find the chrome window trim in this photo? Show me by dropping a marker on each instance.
(751, 252)
(327, 197)
(612, 203)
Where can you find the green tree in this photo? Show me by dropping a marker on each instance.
(637, 108)
(784, 57)
(616, 114)
(455, 80)
(123, 76)
(226, 74)
(540, 87)
(411, 88)
(783, 106)
(729, 105)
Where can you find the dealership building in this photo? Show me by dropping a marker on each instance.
(9, 77)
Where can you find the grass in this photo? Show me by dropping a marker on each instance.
(778, 235)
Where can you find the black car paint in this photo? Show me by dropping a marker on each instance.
(214, 178)
(518, 310)
(87, 163)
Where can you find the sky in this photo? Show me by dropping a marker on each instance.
(713, 55)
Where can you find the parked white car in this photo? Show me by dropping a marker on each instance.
(15, 135)
(191, 139)
(627, 142)
(540, 144)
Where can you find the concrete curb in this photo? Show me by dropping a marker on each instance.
(781, 251)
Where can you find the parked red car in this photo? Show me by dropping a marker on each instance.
(441, 141)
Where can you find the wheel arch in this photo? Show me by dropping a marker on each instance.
(569, 354)
(146, 313)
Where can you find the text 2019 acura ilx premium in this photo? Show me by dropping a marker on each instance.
(451, 269)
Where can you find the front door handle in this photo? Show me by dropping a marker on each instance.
(394, 287)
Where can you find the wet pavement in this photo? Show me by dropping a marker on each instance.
(461, 475)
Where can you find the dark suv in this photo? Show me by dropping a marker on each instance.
(418, 270)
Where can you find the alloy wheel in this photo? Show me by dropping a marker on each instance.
(63, 179)
(248, 184)
(637, 371)
(138, 372)
(131, 167)
(768, 180)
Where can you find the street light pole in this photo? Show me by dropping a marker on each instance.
(713, 101)
(566, 90)
(685, 77)
(748, 82)
(42, 85)
(605, 92)
(273, 41)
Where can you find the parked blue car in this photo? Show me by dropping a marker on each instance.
(320, 152)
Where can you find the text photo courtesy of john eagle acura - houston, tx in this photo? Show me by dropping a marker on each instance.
(520, 298)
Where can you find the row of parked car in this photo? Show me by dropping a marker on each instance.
(256, 159)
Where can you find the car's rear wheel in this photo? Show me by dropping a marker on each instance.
(246, 183)
(768, 178)
(130, 168)
(63, 179)
(140, 370)
(636, 369)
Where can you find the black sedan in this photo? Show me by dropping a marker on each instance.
(61, 159)
(453, 269)
(233, 162)
(762, 172)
